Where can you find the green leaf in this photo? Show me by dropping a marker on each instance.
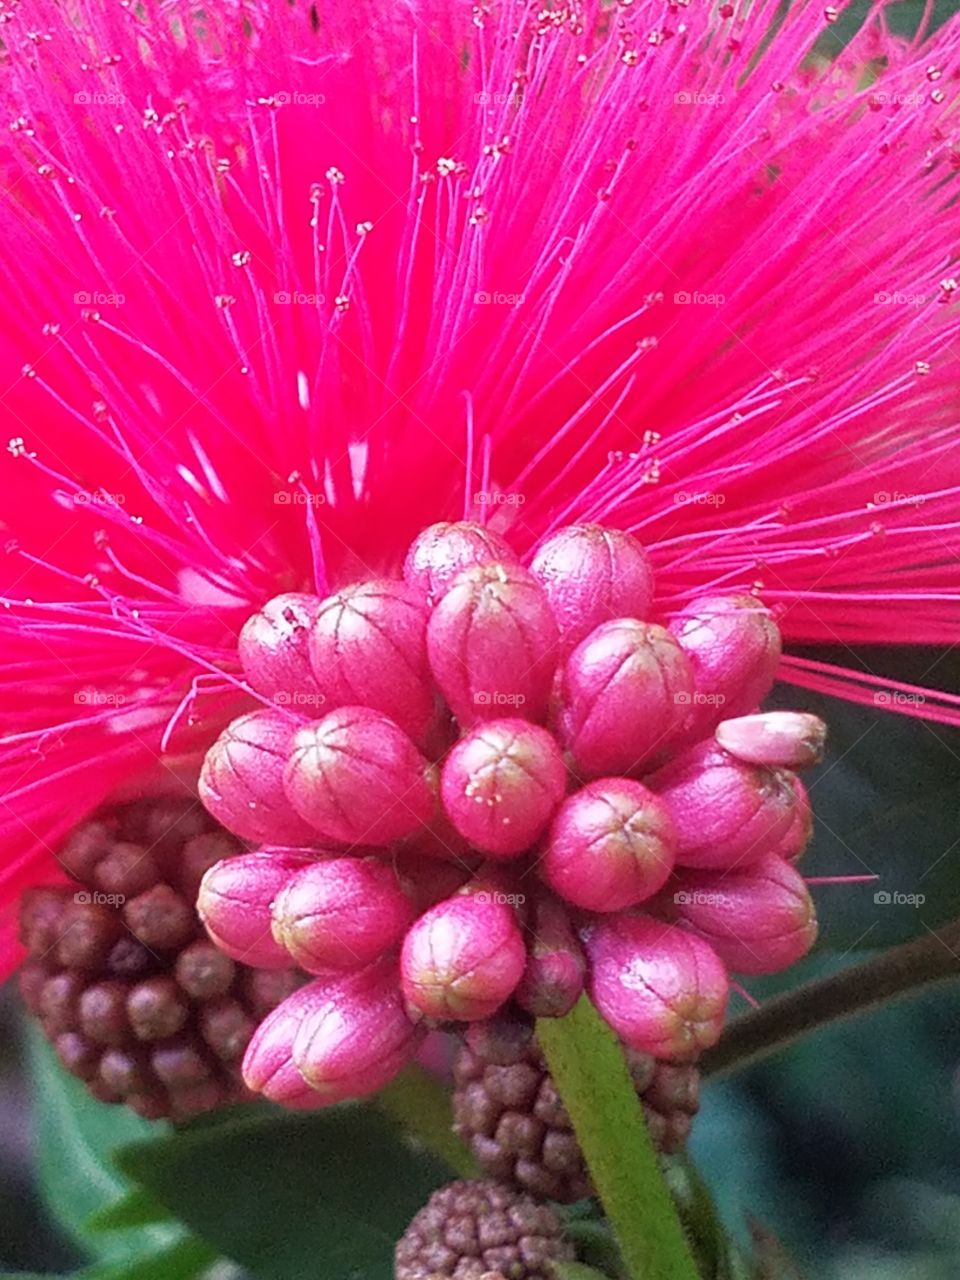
(75, 1136)
(293, 1196)
(590, 1072)
(422, 1105)
(135, 1209)
(184, 1260)
(577, 1271)
(886, 801)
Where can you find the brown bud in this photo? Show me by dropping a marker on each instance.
(103, 1012)
(204, 972)
(157, 1009)
(161, 919)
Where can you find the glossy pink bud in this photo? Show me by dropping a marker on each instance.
(726, 813)
(625, 695)
(441, 551)
(662, 989)
(358, 1038)
(611, 845)
(368, 647)
(501, 784)
(492, 643)
(356, 777)
(592, 575)
(341, 914)
(463, 958)
(241, 782)
(234, 904)
(800, 832)
(734, 646)
(759, 920)
(788, 739)
(554, 975)
(268, 1065)
(273, 652)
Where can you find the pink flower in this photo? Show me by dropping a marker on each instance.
(277, 298)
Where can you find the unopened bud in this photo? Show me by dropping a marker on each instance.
(492, 643)
(734, 647)
(241, 782)
(234, 904)
(462, 959)
(441, 551)
(357, 778)
(625, 694)
(555, 971)
(341, 914)
(355, 1041)
(368, 648)
(800, 832)
(501, 783)
(268, 1065)
(759, 920)
(726, 813)
(662, 989)
(611, 845)
(788, 739)
(273, 648)
(591, 575)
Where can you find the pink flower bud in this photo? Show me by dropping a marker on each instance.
(492, 644)
(462, 959)
(268, 1065)
(341, 914)
(273, 650)
(368, 648)
(759, 920)
(725, 812)
(790, 739)
(625, 695)
(234, 904)
(358, 1038)
(357, 778)
(501, 783)
(241, 782)
(733, 644)
(553, 978)
(611, 845)
(590, 575)
(798, 835)
(441, 551)
(662, 990)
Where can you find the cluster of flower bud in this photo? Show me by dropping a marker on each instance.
(486, 782)
(135, 1001)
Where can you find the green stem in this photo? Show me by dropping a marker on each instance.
(590, 1072)
(421, 1104)
(778, 1022)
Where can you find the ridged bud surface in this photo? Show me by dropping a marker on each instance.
(441, 551)
(273, 652)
